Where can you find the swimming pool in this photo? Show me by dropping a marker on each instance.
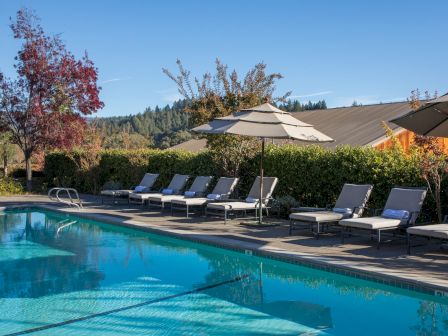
(63, 275)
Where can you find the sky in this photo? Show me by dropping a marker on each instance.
(340, 51)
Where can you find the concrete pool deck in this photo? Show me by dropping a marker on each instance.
(426, 270)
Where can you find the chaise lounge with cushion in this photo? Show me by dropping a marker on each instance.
(197, 189)
(222, 191)
(251, 203)
(175, 187)
(350, 204)
(401, 211)
(429, 232)
(145, 185)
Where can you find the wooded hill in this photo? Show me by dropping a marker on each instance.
(168, 126)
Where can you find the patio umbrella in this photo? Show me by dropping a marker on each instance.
(263, 121)
(431, 119)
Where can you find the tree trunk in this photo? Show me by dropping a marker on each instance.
(29, 171)
(5, 165)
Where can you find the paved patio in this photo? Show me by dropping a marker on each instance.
(426, 269)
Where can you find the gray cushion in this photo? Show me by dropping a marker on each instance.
(317, 216)
(139, 196)
(233, 206)
(225, 185)
(191, 201)
(269, 184)
(200, 184)
(435, 231)
(163, 198)
(372, 223)
(406, 199)
(353, 195)
(178, 182)
(148, 180)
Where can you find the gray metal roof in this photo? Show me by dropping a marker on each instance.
(354, 125)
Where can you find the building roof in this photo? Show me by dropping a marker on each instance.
(193, 145)
(354, 125)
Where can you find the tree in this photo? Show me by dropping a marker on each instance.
(43, 107)
(433, 160)
(124, 140)
(7, 151)
(220, 94)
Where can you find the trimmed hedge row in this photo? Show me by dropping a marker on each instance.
(312, 175)
(9, 187)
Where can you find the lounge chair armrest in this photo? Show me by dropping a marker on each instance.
(307, 209)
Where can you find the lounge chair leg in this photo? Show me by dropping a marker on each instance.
(188, 212)
(290, 226)
(379, 240)
(225, 216)
(318, 231)
(342, 235)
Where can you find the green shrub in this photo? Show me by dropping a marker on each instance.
(8, 186)
(312, 175)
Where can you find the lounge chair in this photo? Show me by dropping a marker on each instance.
(429, 232)
(197, 189)
(251, 203)
(222, 191)
(350, 204)
(175, 187)
(145, 185)
(401, 211)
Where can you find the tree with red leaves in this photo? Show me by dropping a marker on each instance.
(44, 106)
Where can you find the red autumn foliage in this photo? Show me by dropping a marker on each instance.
(44, 106)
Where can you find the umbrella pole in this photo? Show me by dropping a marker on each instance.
(260, 203)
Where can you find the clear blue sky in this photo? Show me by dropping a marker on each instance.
(340, 51)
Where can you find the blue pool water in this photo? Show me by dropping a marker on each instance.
(91, 278)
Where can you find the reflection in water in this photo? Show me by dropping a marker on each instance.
(44, 274)
(37, 261)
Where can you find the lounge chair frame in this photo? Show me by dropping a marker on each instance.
(202, 207)
(116, 194)
(142, 201)
(321, 226)
(427, 239)
(232, 213)
(396, 232)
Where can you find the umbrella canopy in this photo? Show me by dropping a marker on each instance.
(263, 121)
(431, 119)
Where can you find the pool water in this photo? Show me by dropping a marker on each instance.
(62, 275)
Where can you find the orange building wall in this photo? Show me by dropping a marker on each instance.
(406, 139)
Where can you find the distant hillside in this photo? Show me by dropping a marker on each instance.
(158, 124)
(168, 126)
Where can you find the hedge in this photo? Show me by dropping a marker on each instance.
(312, 175)
(8, 186)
